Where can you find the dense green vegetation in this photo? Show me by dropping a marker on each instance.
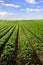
(21, 40)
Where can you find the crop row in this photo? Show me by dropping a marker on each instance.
(21, 42)
(27, 50)
(37, 45)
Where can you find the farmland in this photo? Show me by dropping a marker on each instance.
(21, 42)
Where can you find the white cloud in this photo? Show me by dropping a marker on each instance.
(11, 5)
(24, 16)
(41, 0)
(33, 10)
(30, 1)
(1, 1)
(6, 14)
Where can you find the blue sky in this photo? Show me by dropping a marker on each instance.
(21, 9)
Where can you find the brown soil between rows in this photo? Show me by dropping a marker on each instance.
(19, 59)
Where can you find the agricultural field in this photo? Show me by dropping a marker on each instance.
(21, 42)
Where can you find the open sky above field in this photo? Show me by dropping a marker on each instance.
(21, 9)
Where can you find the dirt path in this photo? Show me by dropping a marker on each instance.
(18, 56)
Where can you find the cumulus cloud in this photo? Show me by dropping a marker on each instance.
(11, 5)
(1, 1)
(5, 13)
(33, 10)
(30, 1)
